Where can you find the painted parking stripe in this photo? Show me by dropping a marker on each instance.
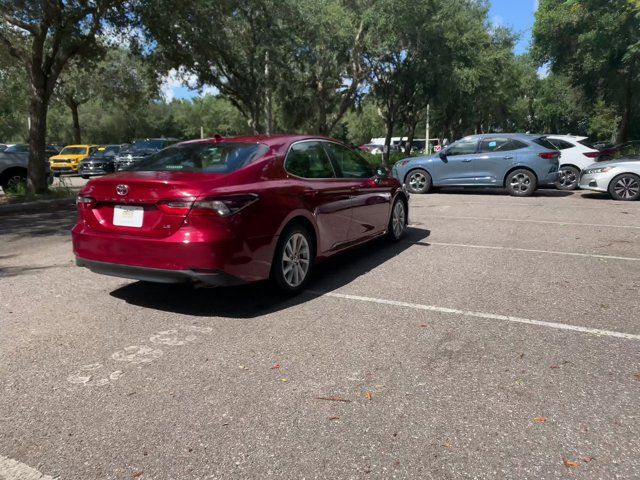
(530, 250)
(486, 316)
(14, 470)
(521, 220)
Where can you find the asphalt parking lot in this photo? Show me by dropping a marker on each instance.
(500, 339)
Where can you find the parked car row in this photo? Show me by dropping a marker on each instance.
(521, 163)
(14, 160)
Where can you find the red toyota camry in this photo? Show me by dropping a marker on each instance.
(230, 210)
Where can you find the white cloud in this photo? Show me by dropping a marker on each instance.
(179, 79)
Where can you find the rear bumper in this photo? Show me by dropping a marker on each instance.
(158, 275)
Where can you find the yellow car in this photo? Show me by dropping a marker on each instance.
(69, 158)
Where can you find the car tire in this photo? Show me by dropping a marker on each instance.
(12, 181)
(568, 178)
(86, 177)
(521, 183)
(293, 260)
(418, 181)
(398, 221)
(625, 187)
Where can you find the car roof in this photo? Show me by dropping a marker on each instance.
(523, 136)
(577, 138)
(272, 141)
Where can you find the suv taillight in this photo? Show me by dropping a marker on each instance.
(222, 206)
(592, 154)
(549, 155)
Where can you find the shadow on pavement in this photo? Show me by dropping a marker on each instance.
(58, 221)
(253, 300)
(597, 196)
(541, 192)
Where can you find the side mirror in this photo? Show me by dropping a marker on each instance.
(443, 154)
(381, 173)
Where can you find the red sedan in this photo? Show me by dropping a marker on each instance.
(231, 210)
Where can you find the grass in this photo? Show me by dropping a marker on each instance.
(22, 193)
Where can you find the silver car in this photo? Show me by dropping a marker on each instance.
(621, 178)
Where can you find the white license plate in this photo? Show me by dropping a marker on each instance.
(128, 216)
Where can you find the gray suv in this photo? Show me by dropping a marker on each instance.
(13, 165)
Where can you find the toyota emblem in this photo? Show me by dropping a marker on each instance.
(122, 190)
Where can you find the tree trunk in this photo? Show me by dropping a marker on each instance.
(410, 136)
(387, 142)
(623, 129)
(268, 107)
(77, 134)
(37, 174)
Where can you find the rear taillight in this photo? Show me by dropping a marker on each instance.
(592, 154)
(83, 201)
(549, 155)
(175, 207)
(222, 206)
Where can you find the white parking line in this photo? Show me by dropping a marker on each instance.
(13, 470)
(486, 316)
(530, 250)
(520, 220)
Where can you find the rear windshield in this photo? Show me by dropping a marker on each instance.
(154, 144)
(105, 152)
(587, 143)
(545, 143)
(202, 157)
(73, 151)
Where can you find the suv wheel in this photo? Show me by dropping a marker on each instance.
(568, 178)
(13, 181)
(293, 260)
(521, 183)
(418, 181)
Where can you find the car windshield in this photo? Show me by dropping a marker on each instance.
(73, 151)
(106, 152)
(156, 144)
(202, 157)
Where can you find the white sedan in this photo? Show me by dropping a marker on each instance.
(621, 178)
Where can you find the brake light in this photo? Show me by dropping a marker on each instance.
(592, 154)
(549, 155)
(175, 207)
(83, 201)
(222, 206)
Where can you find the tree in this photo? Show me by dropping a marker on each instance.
(596, 44)
(43, 37)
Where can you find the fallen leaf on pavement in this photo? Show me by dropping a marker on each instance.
(334, 418)
(275, 367)
(284, 379)
(368, 396)
(447, 445)
(138, 474)
(334, 399)
(242, 367)
(637, 376)
(588, 459)
(424, 325)
(539, 419)
(570, 463)
(554, 366)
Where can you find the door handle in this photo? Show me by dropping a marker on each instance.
(508, 158)
(466, 160)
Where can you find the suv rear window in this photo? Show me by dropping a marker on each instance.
(202, 157)
(587, 143)
(545, 143)
(560, 144)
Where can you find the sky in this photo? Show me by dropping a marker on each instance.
(516, 14)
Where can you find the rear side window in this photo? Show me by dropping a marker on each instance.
(587, 143)
(348, 162)
(545, 143)
(560, 144)
(308, 160)
(500, 145)
(202, 157)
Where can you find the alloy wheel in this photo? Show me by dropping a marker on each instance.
(627, 187)
(296, 260)
(567, 178)
(521, 182)
(14, 182)
(398, 219)
(417, 182)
